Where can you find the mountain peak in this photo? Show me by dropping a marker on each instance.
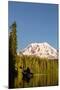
(43, 50)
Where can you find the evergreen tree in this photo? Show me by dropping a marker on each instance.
(12, 54)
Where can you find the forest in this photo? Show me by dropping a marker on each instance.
(44, 70)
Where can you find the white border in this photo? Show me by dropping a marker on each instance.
(4, 43)
(41, 1)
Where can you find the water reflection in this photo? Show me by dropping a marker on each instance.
(27, 75)
(36, 81)
(26, 78)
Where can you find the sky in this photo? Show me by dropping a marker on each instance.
(35, 23)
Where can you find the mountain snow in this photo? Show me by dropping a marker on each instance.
(43, 50)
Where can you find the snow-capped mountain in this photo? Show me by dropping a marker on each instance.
(41, 49)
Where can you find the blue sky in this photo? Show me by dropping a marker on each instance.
(35, 22)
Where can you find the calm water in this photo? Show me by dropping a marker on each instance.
(36, 81)
(44, 75)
